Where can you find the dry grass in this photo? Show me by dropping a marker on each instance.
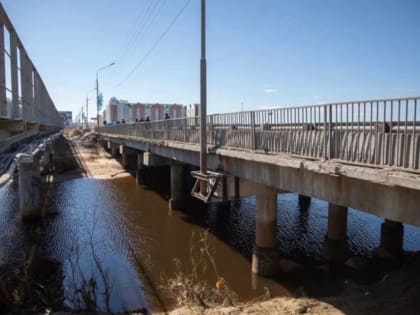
(187, 286)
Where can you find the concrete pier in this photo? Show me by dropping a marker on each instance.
(140, 169)
(115, 150)
(304, 202)
(265, 257)
(36, 185)
(177, 186)
(29, 199)
(336, 239)
(128, 157)
(392, 234)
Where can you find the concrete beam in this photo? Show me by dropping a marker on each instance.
(127, 150)
(236, 187)
(13, 126)
(150, 159)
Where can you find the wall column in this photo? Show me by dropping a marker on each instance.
(264, 258)
(392, 236)
(14, 75)
(336, 239)
(177, 186)
(3, 99)
(26, 81)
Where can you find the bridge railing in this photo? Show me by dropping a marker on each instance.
(377, 132)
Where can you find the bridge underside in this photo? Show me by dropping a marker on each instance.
(383, 192)
(14, 131)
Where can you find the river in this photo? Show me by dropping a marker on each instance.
(123, 233)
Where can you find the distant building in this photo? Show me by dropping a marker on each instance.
(193, 110)
(117, 110)
(66, 117)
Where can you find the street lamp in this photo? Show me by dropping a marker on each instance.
(97, 93)
(203, 94)
(87, 106)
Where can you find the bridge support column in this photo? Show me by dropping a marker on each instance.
(265, 256)
(177, 186)
(140, 169)
(47, 159)
(29, 198)
(128, 157)
(336, 239)
(115, 150)
(392, 235)
(304, 202)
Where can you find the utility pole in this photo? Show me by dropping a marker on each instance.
(87, 111)
(97, 104)
(97, 94)
(203, 95)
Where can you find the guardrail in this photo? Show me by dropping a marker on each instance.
(377, 132)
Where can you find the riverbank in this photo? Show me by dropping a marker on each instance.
(396, 293)
(80, 151)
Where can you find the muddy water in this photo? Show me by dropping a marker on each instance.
(123, 235)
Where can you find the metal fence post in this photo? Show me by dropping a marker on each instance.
(330, 128)
(253, 134)
(325, 133)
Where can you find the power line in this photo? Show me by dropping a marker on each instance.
(161, 37)
(143, 18)
(148, 24)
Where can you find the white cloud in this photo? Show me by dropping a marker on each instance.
(271, 90)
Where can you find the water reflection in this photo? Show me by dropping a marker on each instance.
(128, 229)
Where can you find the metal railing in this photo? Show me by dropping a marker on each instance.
(378, 132)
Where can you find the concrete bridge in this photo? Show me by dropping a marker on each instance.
(363, 155)
(26, 108)
(27, 115)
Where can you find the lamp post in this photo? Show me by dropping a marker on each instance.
(87, 106)
(203, 94)
(97, 94)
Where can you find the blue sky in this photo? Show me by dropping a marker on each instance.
(265, 53)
